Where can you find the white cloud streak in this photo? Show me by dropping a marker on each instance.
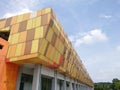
(90, 37)
(106, 16)
(118, 48)
(19, 7)
(8, 14)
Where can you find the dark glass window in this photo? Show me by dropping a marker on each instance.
(26, 82)
(4, 35)
(46, 83)
(1, 46)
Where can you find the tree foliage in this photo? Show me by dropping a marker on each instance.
(115, 85)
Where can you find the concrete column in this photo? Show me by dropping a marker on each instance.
(64, 83)
(19, 79)
(74, 84)
(71, 88)
(37, 78)
(78, 86)
(54, 83)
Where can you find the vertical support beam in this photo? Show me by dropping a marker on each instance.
(64, 83)
(19, 78)
(74, 84)
(78, 86)
(54, 83)
(71, 88)
(37, 78)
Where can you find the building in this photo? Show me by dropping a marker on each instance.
(36, 54)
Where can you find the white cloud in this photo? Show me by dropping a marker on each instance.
(106, 16)
(90, 37)
(19, 7)
(118, 48)
(8, 14)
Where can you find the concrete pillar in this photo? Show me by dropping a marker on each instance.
(37, 78)
(64, 83)
(74, 86)
(54, 83)
(78, 86)
(71, 88)
(19, 79)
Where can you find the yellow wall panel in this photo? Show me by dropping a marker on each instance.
(43, 12)
(18, 49)
(5, 29)
(15, 38)
(39, 13)
(48, 17)
(26, 16)
(38, 33)
(49, 50)
(57, 56)
(22, 36)
(55, 29)
(43, 47)
(11, 51)
(38, 21)
(20, 18)
(29, 24)
(49, 35)
(34, 47)
(52, 54)
(33, 22)
(2, 23)
(14, 20)
(48, 10)
(14, 28)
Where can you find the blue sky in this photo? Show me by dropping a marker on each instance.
(92, 26)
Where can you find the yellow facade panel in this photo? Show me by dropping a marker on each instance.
(2, 23)
(15, 38)
(29, 24)
(48, 17)
(14, 28)
(43, 12)
(38, 21)
(13, 59)
(22, 36)
(57, 43)
(20, 18)
(34, 47)
(48, 10)
(43, 47)
(5, 29)
(38, 33)
(11, 51)
(52, 54)
(14, 20)
(49, 50)
(39, 13)
(26, 16)
(57, 57)
(49, 35)
(18, 49)
(61, 47)
(55, 29)
(33, 22)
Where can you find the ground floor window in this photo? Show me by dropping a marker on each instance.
(46, 83)
(26, 82)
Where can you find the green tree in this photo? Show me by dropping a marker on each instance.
(116, 84)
